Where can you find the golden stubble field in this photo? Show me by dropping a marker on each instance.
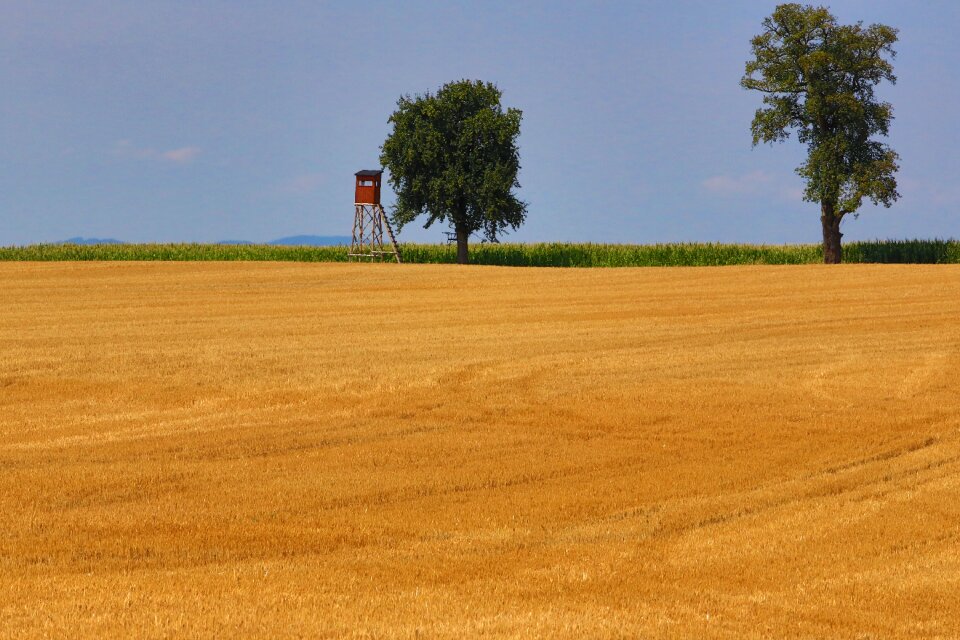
(384, 451)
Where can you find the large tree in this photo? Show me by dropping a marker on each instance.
(454, 156)
(818, 78)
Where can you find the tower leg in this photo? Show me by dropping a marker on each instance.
(367, 238)
(393, 239)
(376, 234)
(356, 241)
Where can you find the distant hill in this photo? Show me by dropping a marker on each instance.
(79, 240)
(315, 241)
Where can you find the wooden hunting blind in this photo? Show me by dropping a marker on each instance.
(368, 186)
(369, 219)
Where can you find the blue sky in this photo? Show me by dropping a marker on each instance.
(212, 119)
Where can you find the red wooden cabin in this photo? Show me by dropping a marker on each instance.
(368, 187)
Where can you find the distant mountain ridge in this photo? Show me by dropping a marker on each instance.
(316, 241)
(301, 240)
(79, 240)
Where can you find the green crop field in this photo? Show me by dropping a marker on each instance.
(516, 254)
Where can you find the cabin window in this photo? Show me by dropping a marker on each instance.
(366, 183)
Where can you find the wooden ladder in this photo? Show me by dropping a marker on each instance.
(393, 240)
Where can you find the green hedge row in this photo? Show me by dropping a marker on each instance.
(520, 255)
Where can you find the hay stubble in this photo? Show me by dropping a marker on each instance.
(387, 451)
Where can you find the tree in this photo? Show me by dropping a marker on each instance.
(454, 156)
(818, 78)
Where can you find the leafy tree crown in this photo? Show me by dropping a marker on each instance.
(818, 78)
(454, 156)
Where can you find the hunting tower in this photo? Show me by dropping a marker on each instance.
(369, 219)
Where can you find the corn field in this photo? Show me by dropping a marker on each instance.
(515, 254)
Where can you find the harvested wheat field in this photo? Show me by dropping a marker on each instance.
(400, 451)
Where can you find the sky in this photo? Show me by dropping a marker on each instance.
(210, 120)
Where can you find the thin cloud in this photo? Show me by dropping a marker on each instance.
(748, 183)
(127, 149)
(792, 193)
(754, 183)
(182, 155)
(303, 183)
(926, 191)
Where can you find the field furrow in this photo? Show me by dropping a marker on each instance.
(345, 450)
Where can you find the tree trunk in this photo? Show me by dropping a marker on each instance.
(462, 236)
(832, 251)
